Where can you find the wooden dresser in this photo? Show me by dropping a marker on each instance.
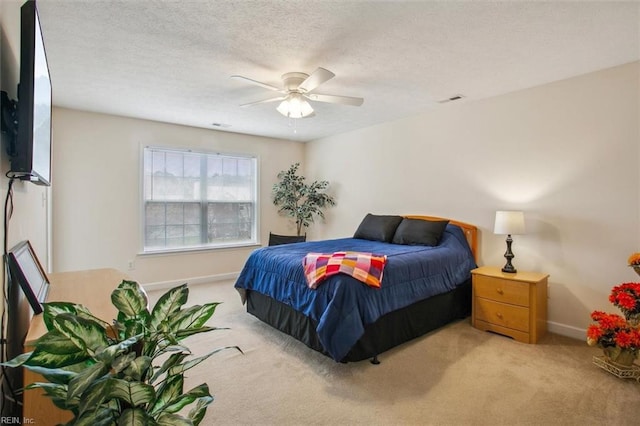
(513, 305)
(90, 288)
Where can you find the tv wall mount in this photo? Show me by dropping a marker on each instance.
(9, 121)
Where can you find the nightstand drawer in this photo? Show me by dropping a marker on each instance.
(516, 317)
(501, 290)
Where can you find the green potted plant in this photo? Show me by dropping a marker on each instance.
(130, 372)
(300, 200)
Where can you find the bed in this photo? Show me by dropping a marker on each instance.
(424, 286)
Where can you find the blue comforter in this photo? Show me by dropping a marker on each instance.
(342, 306)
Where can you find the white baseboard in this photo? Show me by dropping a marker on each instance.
(567, 330)
(163, 285)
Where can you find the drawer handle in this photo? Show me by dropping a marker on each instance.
(499, 315)
(499, 290)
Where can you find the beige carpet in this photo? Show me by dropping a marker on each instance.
(454, 376)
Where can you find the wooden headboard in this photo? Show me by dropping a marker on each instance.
(470, 231)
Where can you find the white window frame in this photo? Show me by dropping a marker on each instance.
(254, 241)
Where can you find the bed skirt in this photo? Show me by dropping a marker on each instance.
(387, 332)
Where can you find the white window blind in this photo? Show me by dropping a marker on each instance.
(198, 199)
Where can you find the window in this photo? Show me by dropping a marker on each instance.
(198, 199)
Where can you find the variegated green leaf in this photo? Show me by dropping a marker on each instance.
(133, 393)
(173, 360)
(85, 378)
(53, 375)
(169, 303)
(85, 333)
(129, 284)
(55, 388)
(135, 417)
(133, 285)
(93, 397)
(169, 419)
(187, 398)
(181, 334)
(181, 368)
(110, 352)
(122, 362)
(168, 392)
(138, 369)
(192, 317)
(61, 403)
(167, 339)
(51, 309)
(196, 414)
(132, 327)
(167, 343)
(56, 392)
(57, 343)
(130, 299)
(17, 361)
(46, 359)
(102, 416)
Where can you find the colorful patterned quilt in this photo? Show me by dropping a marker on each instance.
(365, 267)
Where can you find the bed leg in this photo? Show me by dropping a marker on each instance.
(375, 360)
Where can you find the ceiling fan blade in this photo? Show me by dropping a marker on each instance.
(335, 99)
(318, 77)
(264, 101)
(259, 83)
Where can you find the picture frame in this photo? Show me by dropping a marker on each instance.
(26, 270)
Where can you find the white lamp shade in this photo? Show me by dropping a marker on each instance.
(509, 222)
(295, 106)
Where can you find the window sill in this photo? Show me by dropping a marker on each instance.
(190, 250)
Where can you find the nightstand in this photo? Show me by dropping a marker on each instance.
(513, 305)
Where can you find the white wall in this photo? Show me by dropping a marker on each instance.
(565, 153)
(96, 196)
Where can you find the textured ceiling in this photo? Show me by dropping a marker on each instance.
(171, 61)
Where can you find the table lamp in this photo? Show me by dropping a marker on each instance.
(509, 222)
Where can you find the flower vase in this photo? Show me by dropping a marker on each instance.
(617, 355)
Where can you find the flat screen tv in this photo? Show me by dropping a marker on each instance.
(31, 159)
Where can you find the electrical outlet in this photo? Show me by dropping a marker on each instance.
(132, 265)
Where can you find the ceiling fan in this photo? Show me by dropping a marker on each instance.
(297, 88)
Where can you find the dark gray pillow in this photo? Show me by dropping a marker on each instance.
(418, 232)
(378, 227)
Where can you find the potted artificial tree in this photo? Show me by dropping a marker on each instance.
(299, 200)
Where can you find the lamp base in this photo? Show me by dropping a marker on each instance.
(508, 268)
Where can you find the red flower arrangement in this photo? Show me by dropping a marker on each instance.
(626, 296)
(613, 330)
(618, 336)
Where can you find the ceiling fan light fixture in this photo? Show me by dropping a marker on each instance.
(297, 87)
(295, 106)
